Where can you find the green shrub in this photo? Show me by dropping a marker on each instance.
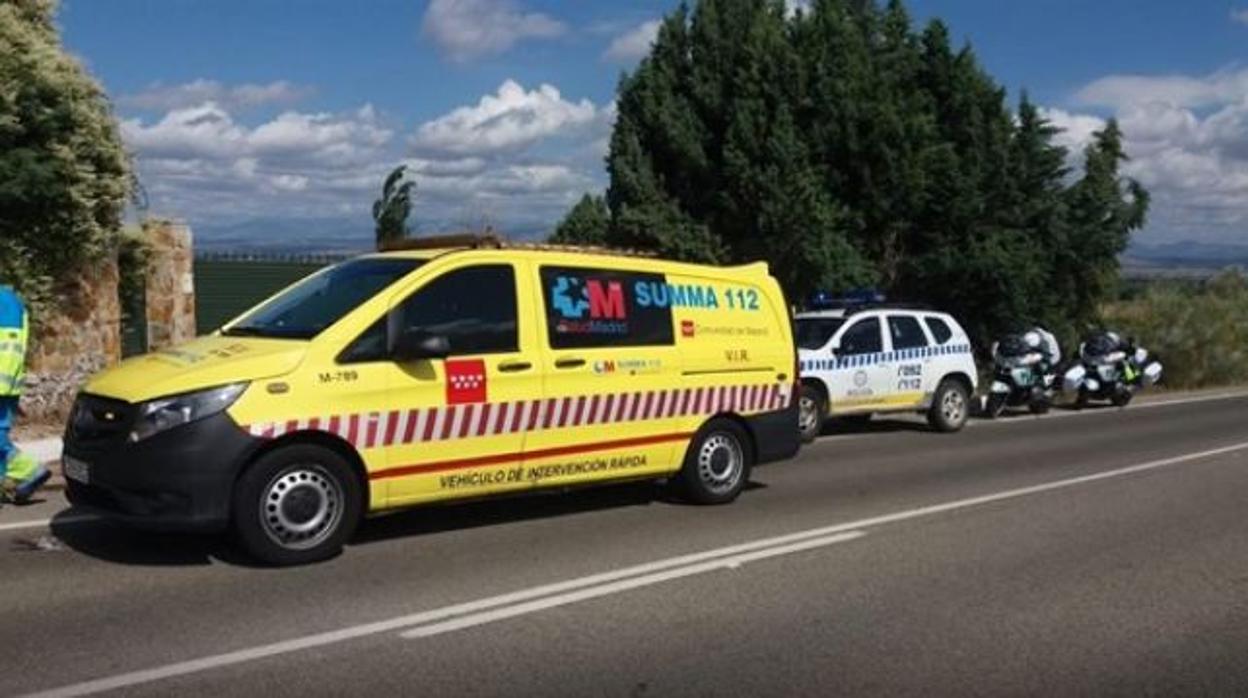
(1200, 332)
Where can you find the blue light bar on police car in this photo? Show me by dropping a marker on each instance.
(862, 296)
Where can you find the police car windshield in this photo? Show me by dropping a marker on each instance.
(320, 300)
(814, 333)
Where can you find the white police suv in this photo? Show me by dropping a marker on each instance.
(858, 359)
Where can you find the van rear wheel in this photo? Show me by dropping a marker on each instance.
(296, 505)
(717, 464)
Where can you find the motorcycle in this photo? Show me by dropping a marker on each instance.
(1022, 375)
(1109, 370)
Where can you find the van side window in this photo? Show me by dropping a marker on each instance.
(940, 329)
(588, 308)
(473, 307)
(370, 346)
(863, 337)
(906, 332)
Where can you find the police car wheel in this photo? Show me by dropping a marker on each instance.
(717, 464)
(296, 505)
(950, 406)
(811, 409)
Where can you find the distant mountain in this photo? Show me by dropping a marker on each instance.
(1188, 253)
(311, 235)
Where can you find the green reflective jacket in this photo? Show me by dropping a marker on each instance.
(14, 334)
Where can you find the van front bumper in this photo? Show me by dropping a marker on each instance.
(179, 480)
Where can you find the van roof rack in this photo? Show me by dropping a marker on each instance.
(490, 240)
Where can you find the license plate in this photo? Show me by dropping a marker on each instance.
(77, 470)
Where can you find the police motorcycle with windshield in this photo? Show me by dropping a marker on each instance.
(1024, 372)
(1110, 369)
(450, 369)
(860, 356)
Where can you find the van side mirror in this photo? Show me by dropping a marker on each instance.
(415, 344)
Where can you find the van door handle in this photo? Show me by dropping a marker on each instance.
(570, 362)
(514, 366)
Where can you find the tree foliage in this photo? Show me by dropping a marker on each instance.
(391, 211)
(586, 223)
(64, 174)
(846, 147)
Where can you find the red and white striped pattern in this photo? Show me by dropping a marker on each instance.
(397, 427)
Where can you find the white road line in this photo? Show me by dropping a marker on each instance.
(572, 597)
(599, 580)
(41, 523)
(1060, 412)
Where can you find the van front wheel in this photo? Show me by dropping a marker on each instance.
(296, 505)
(717, 465)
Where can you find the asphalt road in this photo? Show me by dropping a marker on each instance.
(1100, 553)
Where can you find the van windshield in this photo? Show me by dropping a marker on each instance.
(814, 333)
(307, 308)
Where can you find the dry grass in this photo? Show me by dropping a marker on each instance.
(1200, 332)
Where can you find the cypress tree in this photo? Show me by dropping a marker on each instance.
(846, 147)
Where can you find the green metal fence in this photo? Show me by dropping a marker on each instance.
(227, 285)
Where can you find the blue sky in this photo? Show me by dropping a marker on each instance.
(263, 117)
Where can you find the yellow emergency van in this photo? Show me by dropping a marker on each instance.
(450, 369)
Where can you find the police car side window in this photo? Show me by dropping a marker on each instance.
(863, 337)
(906, 332)
(940, 329)
(473, 307)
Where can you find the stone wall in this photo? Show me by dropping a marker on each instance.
(170, 285)
(84, 337)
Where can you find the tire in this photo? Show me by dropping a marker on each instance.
(717, 464)
(950, 406)
(1122, 396)
(812, 407)
(296, 505)
(993, 406)
(1039, 406)
(1081, 402)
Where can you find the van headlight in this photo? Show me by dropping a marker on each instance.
(166, 413)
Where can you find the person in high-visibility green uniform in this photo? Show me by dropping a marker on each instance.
(20, 474)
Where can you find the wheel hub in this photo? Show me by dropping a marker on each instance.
(720, 462)
(808, 414)
(953, 406)
(302, 506)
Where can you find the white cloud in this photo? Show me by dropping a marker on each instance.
(209, 131)
(158, 96)
(1239, 15)
(511, 120)
(1076, 130)
(792, 7)
(517, 158)
(468, 29)
(634, 44)
(1119, 91)
(1187, 137)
